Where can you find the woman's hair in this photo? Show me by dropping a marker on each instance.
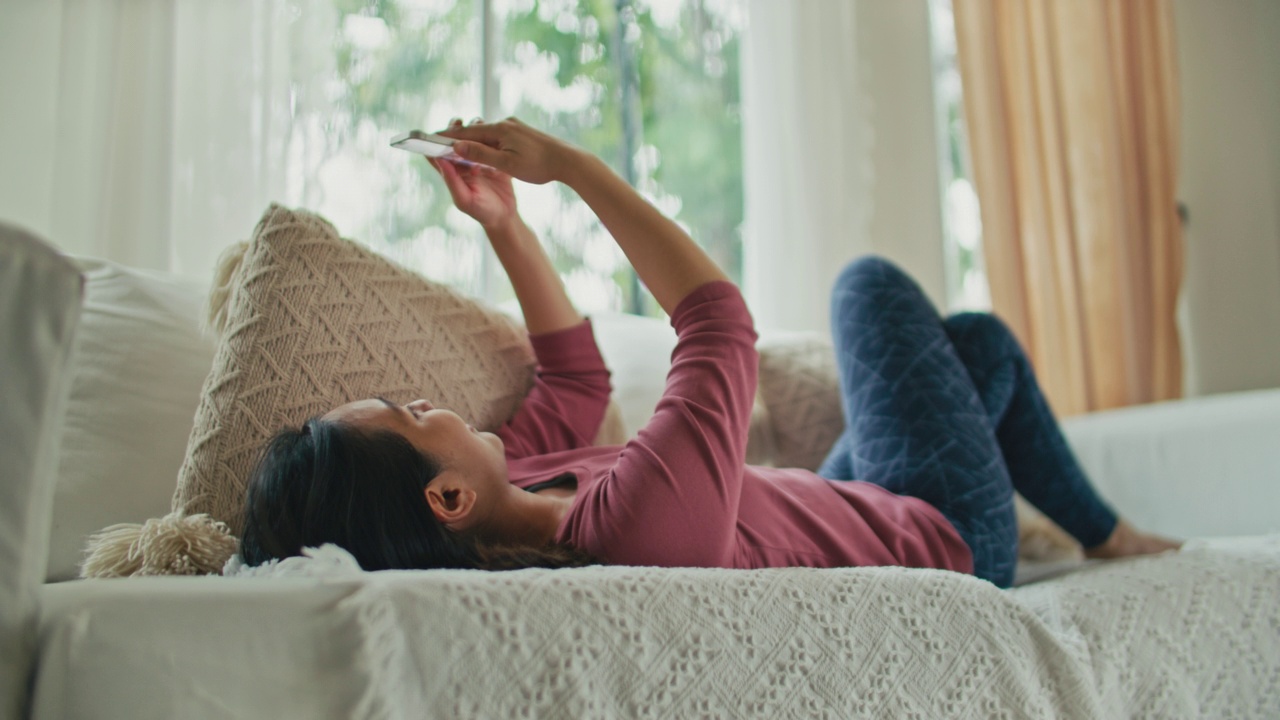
(330, 482)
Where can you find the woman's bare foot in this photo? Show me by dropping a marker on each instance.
(1126, 541)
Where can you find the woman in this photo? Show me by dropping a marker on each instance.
(943, 422)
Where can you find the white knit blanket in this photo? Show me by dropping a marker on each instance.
(1191, 634)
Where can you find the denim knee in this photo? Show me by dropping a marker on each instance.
(872, 272)
(871, 282)
(980, 329)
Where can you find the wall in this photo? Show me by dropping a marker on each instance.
(1229, 60)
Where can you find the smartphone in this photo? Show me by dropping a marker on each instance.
(416, 141)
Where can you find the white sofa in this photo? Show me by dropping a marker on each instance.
(1186, 634)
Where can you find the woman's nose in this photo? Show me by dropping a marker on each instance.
(420, 406)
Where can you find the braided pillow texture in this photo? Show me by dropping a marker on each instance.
(310, 321)
(799, 387)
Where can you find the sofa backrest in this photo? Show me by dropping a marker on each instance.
(141, 358)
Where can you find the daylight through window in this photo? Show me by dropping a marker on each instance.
(962, 223)
(651, 86)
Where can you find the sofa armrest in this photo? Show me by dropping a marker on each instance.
(40, 296)
(1199, 467)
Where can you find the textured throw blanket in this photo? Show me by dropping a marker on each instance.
(1191, 634)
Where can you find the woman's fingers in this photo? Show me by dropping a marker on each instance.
(483, 154)
(483, 132)
(440, 166)
(454, 182)
(456, 176)
(511, 147)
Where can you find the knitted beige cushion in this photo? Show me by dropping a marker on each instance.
(799, 388)
(310, 321)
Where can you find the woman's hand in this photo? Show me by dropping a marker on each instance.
(516, 149)
(669, 262)
(479, 191)
(485, 194)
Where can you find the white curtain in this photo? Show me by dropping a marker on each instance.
(151, 132)
(805, 156)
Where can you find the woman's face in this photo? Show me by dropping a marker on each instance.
(440, 433)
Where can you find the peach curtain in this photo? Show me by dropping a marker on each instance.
(1071, 108)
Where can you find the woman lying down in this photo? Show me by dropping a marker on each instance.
(943, 421)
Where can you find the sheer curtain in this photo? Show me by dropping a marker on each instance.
(153, 132)
(805, 158)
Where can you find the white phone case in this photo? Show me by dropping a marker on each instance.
(416, 141)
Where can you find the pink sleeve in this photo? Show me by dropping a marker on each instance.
(672, 497)
(570, 392)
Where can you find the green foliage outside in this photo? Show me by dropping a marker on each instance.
(689, 151)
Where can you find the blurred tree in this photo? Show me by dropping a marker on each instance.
(394, 58)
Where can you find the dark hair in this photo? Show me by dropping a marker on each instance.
(330, 482)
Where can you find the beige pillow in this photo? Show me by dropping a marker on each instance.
(799, 388)
(310, 321)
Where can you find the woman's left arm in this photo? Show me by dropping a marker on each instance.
(486, 195)
(571, 389)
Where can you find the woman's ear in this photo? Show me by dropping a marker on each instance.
(451, 501)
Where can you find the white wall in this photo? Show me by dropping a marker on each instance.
(1229, 60)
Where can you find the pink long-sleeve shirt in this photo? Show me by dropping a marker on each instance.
(680, 494)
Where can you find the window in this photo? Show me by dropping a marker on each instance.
(651, 86)
(967, 287)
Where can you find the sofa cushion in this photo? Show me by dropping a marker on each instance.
(40, 296)
(140, 361)
(313, 321)
(799, 387)
(1200, 467)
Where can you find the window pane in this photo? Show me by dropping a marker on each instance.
(962, 223)
(386, 66)
(691, 160)
(391, 66)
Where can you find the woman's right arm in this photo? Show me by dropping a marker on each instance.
(668, 261)
(673, 494)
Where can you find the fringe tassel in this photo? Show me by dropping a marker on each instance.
(175, 544)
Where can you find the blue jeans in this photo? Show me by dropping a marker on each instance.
(949, 411)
